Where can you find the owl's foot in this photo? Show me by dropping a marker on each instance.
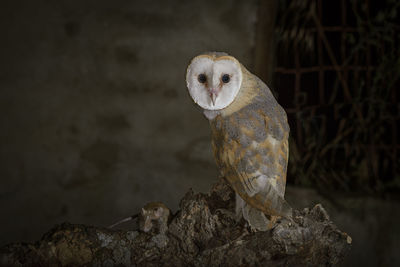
(273, 221)
(267, 224)
(226, 212)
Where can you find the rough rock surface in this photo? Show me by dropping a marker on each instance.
(203, 232)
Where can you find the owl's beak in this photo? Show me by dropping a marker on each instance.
(213, 94)
(213, 98)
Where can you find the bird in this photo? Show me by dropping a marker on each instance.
(249, 135)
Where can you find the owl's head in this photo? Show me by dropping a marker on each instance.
(213, 80)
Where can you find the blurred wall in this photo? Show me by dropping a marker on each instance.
(95, 117)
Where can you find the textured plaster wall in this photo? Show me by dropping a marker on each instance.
(94, 114)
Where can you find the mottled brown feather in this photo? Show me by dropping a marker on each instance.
(254, 116)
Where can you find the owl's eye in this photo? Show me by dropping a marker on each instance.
(202, 78)
(225, 78)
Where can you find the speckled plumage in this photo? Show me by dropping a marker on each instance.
(250, 145)
(242, 145)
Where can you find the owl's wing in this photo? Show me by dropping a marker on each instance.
(259, 175)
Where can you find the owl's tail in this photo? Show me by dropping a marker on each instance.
(269, 201)
(255, 218)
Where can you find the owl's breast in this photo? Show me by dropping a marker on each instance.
(226, 149)
(236, 138)
(250, 142)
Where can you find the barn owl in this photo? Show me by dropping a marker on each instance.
(249, 135)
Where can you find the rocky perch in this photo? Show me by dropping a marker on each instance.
(203, 232)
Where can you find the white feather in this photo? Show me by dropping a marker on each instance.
(214, 70)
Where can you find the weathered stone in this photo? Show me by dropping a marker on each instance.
(204, 232)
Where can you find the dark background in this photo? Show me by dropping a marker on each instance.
(96, 120)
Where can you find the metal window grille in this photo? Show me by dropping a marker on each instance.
(325, 86)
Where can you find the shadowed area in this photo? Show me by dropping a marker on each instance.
(95, 116)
